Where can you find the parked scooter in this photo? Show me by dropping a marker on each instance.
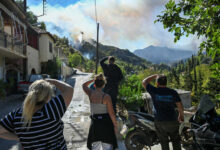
(205, 126)
(142, 131)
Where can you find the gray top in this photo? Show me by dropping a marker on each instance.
(98, 108)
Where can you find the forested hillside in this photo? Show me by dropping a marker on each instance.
(89, 49)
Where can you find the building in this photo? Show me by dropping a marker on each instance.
(33, 52)
(46, 45)
(13, 42)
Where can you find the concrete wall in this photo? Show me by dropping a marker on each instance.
(33, 60)
(45, 54)
(66, 70)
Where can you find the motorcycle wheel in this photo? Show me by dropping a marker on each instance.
(131, 142)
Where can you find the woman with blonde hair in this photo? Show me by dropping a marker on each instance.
(103, 126)
(37, 124)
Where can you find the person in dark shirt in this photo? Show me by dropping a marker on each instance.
(113, 77)
(166, 118)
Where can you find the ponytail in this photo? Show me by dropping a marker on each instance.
(28, 108)
(39, 93)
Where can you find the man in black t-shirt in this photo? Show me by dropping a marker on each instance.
(166, 118)
(113, 76)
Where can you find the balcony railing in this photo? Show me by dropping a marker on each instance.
(7, 42)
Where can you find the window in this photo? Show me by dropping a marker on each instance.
(50, 47)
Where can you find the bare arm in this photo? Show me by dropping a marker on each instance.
(65, 89)
(148, 80)
(5, 134)
(85, 87)
(110, 110)
(180, 110)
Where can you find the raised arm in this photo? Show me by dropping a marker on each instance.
(148, 80)
(65, 89)
(102, 62)
(85, 87)
(5, 134)
(111, 112)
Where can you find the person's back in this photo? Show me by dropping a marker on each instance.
(164, 100)
(166, 121)
(112, 72)
(103, 122)
(113, 76)
(46, 128)
(37, 124)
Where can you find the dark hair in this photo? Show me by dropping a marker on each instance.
(99, 81)
(162, 80)
(111, 58)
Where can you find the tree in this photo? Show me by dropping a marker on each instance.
(188, 79)
(75, 59)
(197, 17)
(43, 26)
(195, 76)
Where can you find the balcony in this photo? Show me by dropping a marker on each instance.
(9, 48)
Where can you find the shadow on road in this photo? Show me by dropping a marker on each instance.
(80, 133)
(12, 145)
(71, 81)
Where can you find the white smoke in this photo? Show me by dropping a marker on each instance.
(123, 23)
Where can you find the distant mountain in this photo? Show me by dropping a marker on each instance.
(88, 49)
(166, 55)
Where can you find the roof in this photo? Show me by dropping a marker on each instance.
(41, 31)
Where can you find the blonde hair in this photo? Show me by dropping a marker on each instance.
(39, 93)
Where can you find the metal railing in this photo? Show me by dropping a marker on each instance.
(7, 42)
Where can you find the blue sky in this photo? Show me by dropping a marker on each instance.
(127, 24)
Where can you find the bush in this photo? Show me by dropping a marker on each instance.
(130, 92)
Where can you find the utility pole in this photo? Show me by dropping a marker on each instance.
(44, 7)
(25, 6)
(97, 50)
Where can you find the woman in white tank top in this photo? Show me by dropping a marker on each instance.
(103, 121)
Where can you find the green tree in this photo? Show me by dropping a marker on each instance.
(197, 17)
(43, 26)
(75, 59)
(188, 79)
(195, 76)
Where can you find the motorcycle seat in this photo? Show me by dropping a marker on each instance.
(146, 116)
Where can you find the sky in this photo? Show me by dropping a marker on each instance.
(127, 24)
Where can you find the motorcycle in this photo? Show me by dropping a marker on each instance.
(142, 132)
(205, 126)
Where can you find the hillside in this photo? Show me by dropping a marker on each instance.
(166, 55)
(88, 49)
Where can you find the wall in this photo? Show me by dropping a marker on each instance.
(7, 29)
(66, 70)
(1, 68)
(33, 60)
(45, 54)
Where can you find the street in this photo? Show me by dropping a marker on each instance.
(76, 119)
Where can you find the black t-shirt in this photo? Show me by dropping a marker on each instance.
(164, 100)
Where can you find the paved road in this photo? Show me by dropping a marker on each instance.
(76, 119)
